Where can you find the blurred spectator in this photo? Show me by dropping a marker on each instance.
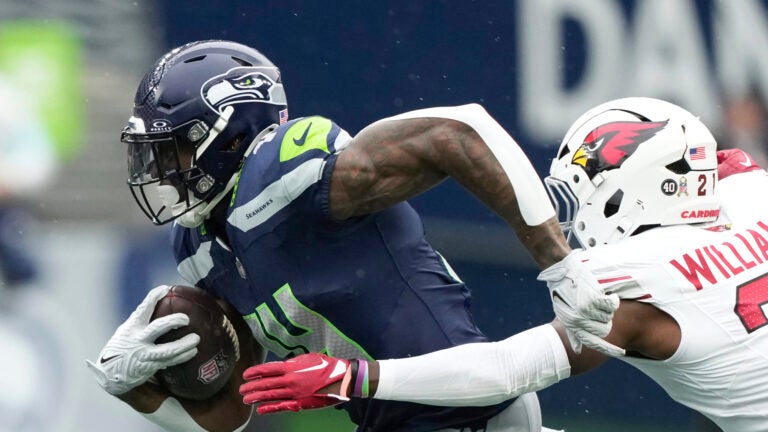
(27, 162)
(745, 125)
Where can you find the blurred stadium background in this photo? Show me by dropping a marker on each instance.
(76, 254)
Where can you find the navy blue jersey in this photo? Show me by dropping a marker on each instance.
(369, 287)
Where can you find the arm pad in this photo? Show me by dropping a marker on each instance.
(532, 198)
(477, 374)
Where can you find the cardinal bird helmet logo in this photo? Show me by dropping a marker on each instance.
(609, 145)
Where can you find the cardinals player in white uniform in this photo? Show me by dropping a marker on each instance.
(676, 229)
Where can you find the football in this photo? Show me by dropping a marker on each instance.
(217, 353)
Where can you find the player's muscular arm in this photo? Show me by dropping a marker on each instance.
(642, 329)
(394, 160)
(145, 398)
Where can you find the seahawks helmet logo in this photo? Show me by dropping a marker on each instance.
(243, 85)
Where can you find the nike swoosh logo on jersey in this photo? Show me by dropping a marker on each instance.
(322, 364)
(300, 142)
(746, 161)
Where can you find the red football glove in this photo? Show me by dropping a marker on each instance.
(293, 385)
(734, 161)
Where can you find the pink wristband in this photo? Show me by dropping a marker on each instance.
(361, 380)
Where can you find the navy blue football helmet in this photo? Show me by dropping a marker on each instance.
(196, 114)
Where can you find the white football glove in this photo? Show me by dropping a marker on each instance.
(581, 305)
(131, 356)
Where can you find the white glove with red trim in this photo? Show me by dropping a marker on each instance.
(581, 305)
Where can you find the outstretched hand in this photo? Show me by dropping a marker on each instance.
(308, 381)
(582, 305)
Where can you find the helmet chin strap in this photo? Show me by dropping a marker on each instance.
(217, 128)
(168, 195)
(199, 213)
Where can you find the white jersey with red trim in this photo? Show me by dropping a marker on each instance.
(714, 283)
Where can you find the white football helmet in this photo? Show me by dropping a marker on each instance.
(632, 164)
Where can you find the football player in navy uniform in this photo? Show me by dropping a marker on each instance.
(306, 232)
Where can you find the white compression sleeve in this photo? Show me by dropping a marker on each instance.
(532, 198)
(172, 417)
(477, 374)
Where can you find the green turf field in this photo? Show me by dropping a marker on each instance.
(337, 421)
